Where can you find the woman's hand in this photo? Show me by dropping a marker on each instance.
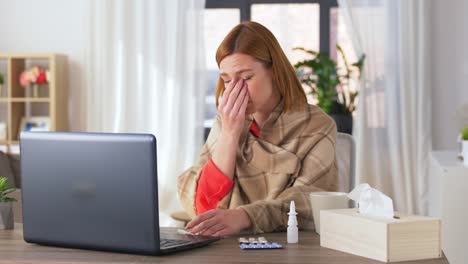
(232, 111)
(232, 108)
(219, 222)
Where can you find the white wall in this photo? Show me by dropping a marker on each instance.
(49, 26)
(450, 69)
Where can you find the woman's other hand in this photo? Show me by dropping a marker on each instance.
(218, 222)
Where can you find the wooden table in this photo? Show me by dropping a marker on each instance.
(13, 249)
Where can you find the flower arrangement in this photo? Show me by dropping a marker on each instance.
(35, 76)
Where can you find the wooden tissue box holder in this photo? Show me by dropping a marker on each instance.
(410, 237)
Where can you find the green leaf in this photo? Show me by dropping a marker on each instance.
(5, 187)
(7, 199)
(3, 183)
(360, 63)
(305, 50)
(465, 133)
(4, 193)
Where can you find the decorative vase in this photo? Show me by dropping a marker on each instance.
(344, 123)
(6, 215)
(465, 152)
(35, 88)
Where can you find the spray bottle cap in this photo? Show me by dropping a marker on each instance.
(292, 220)
(292, 208)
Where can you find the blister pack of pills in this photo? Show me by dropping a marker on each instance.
(260, 246)
(259, 243)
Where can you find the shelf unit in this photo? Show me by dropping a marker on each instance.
(16, 101)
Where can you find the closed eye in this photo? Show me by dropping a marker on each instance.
(245, 79)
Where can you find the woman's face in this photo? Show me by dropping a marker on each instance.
(257, 77)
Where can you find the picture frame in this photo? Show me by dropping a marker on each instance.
(34, 123)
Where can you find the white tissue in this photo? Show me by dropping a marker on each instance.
(372, 202)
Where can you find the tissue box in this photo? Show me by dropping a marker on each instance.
(408, 238)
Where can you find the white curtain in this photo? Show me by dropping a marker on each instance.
(393, 123)
(145, 74)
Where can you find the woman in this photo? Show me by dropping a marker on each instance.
(266, 148)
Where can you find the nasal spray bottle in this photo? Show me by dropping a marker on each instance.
(293, 236)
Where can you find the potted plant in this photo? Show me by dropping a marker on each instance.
(6, 204)
(330, 85)
(462, 120)
(464, 135)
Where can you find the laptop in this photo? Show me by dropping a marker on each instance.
(95, 191)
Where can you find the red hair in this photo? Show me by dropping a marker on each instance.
(252, 38)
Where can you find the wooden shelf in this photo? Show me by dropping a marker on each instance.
(9, 142)
(30, 100)
(25, 100)
(52, 100)
(27, 56)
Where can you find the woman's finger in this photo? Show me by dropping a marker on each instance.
(203, 226)
(233, 95)
(229, 87)
(240, 101)
(213, 229)
(223, 232)
(200, 218)
(221, 103)
(244, 105)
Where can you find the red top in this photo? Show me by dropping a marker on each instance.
(213, 185)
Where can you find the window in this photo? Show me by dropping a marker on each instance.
(218, 22)
(293, 25)
(305, 23)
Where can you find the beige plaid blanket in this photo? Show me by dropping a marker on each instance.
(294, 155)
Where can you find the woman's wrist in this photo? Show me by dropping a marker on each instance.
(230, 137)
(246, 223)
(224, 155)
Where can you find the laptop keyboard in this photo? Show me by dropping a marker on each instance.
(164, 243)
